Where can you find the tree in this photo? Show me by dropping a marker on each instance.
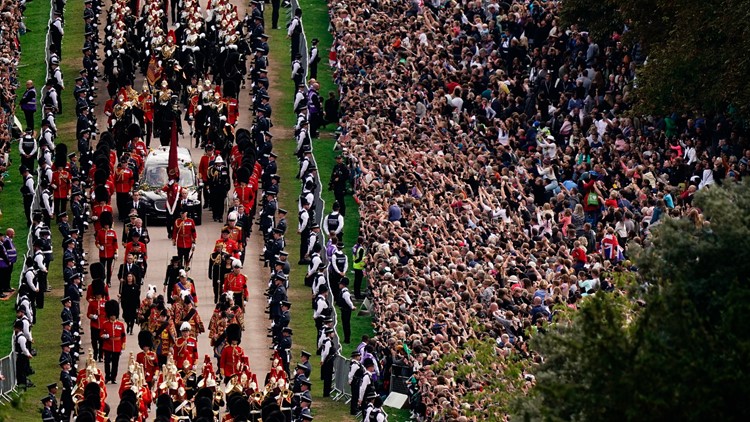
(683, 356)
(695, 49)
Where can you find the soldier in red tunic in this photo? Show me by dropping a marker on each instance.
(96, 315)
(106, 242)
(186, 347)
(232, 355)
(236, 284)
(61, 179)
(146, 99)
(147, 357)
(124, 180)
(112, 332)
(184, 236)
(102, 205)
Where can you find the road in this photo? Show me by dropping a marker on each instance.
(160, 250)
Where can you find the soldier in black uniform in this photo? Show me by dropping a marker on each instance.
(77, 208)
(285, 348)
(274, 245)
(268, 213)
(278, 296)
(282, 320)
(218, 186)
(66, 399)
(66, 353)
(47, 414)
(74, 291)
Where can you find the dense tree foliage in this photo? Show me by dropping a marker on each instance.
(696, 49)
(680, 352)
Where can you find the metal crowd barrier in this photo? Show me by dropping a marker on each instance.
(8, 379)
(341, 388)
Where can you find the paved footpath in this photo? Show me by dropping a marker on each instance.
(160, 250)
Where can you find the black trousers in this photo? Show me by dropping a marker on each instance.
(107, 262)
(313, 69)
(5, 274)
(326, 372)
(276, 4)
(60, 204)
(27, 199)
(303, 246)
(346, 316)
(23, 369)
(295, 46)
(358, 277)
(42, 280)
(29, 118)
(111, 364)
(353, 404)
(184, 254)
(218, 198)
(149, 132)
(340, 195)
(171, 218)
(122, 205)
(96, 343)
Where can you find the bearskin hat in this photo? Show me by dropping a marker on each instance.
(61, 155)
(234, 333)
(97, 286)
(134, 131)
(102, 172)
(97, 271)
(243, 174)
(106, 219)
(239, 408)
(112, 308)
(145, 339)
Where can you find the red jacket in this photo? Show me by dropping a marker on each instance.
(129, 248)
(246, 195)
(124, 180)
(150, 364)
(96, 308)
(183, 233)
(231, 356)
(186, 349)
(106, 242)
(203, 166)
(233, 110)
(229, 246)
(61, 183)
(236, 284)
(113, 334)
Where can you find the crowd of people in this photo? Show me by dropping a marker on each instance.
(11, 22)
(500, 178)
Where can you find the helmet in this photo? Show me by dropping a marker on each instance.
(219, 160)
(185, 326)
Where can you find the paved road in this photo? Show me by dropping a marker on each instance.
(160, 250)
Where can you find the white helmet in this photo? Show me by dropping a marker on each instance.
(219, 160)
(236, 263)
(185, 326)
(232, 216)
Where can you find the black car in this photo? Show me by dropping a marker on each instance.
(154, 178)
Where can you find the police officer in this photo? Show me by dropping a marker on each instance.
(333, 223)
(295, 31)
(27, 190)
(313, 60)
(345, 303)
(304, 226)
(339, 178)
(337, 268)
(356, 373)
(218, 185)
(327, 357)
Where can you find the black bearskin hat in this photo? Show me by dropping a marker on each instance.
(134, 131)
(105, 218)
(106, 139)
(101, 194)
(97, 271)
(112, 308)
(243, 174)
(239, 408)
(102, 172)
(145, 339)
(61, 155)
(97, 286)
(230, 89)
(234, 333)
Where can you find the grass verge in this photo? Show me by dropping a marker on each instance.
(26, 407)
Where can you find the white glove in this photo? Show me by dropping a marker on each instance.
(101, 248)
(106, 336)
(94, 316)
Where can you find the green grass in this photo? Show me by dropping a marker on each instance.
(315, 20)
(283, 113)
(47, 330)
(32, 46)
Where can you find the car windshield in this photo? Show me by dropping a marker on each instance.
(156, 175)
